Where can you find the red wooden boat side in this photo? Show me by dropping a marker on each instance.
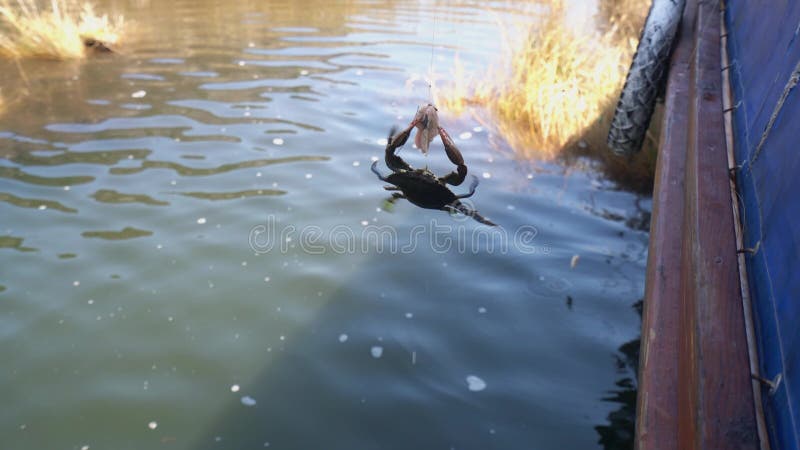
(695, 389)
(657, 403)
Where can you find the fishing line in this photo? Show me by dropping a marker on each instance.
(433, 47)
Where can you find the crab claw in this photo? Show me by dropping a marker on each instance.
(450, 147)
(427, 122)
(396, 141)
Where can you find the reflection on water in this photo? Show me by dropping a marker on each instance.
(34, 203)
(14, 243)
(112, 196)
(232, 195)
(125, 233)
(619, 433)
(131, 295)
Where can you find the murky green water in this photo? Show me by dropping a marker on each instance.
(139, 194)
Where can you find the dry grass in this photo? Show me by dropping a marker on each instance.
(559, 86)
(58, 31)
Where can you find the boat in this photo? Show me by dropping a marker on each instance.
(720, 351)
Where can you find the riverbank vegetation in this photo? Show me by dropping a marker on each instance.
(64, 29)
(553, 92)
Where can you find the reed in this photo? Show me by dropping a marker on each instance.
(559, 85)
(60, 30)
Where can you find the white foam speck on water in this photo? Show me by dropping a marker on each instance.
(266, 279)
(364, 223)
(258, 174)
(139, 94)
(376, 351)
(277, 141)
(342, 337)
(266, 444)
(373, 158)
(309, 176)
(487, 175)
(382, 141)
(85, 447)
(90, 301)
(248, 401)
(283, 338)
(356, 163)
(173, 182)
(235, 388)
(465, 135)
(42, 207)
(76, 283)
(530, 176)
(152, 425)
(359, 72)
(201, 220)
(159, 246)
(511, 207)
(477, 129)
(66, 188)
(482, 310)
(409, 315)
(475, 384)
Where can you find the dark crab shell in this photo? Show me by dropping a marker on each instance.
(423, 189)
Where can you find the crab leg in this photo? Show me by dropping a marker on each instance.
(374, 169)
(472, 187)
(463, 209)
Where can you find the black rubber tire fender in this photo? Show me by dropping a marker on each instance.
(645, 78)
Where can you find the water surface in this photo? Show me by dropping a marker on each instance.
(135, 311)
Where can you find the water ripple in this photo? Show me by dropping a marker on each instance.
(112, 235)
(18, 174)
(35, 203)
(205, 171)
(233, 195)
(111, 196)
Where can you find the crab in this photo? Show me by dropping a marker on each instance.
(421, 186)
(427, 123)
